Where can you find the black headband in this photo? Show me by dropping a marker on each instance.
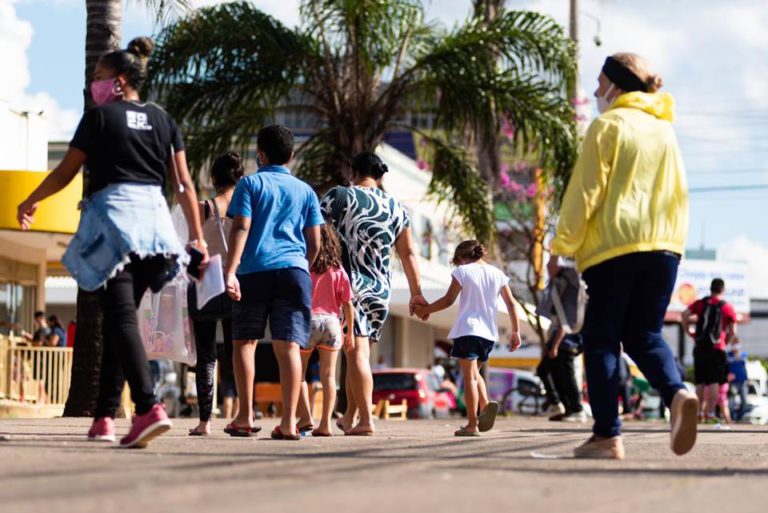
(622, 77)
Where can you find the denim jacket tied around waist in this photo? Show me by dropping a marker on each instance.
(117, 221)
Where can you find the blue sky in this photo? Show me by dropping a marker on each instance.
(713, 56)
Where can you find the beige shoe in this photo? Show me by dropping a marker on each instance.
(683, 419)
(601, 449)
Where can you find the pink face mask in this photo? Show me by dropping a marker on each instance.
(104, 91)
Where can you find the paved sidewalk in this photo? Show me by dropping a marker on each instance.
(409, 466)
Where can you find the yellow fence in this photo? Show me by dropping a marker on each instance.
(34, 375)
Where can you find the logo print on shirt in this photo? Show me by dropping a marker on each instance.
(138, 120)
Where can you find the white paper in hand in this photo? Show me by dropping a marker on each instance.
(212, 283)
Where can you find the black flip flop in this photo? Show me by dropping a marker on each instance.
(239, 431)
(195, 432)
(277, 434)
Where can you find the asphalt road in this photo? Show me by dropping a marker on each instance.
(522, 465)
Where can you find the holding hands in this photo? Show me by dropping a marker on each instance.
(421, 312)
(417, 307)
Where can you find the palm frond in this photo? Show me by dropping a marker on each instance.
(372, 30)
(223, 70)
(514, 67)
(320, 160)
(165, 11)
(456, 181)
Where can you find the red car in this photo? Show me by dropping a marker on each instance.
(419, 387)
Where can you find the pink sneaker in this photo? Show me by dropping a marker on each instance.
(102, 430)
(147, 427)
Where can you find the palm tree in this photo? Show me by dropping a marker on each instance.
(103, 34)
(356, 67)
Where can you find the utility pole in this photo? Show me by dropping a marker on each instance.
(573, 32)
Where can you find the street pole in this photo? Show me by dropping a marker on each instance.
(574, 34)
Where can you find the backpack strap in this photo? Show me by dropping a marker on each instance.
(220, 225)
(206, 210)
(559, 310)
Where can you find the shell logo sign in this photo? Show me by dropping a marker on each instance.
(686, 293)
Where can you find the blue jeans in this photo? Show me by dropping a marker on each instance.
(628, 297)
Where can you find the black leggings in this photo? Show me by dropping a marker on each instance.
(564, 376)
(205, 342)
(123, 352)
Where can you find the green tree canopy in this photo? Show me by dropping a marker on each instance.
(357, 66)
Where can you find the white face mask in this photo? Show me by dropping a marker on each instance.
(603, 104)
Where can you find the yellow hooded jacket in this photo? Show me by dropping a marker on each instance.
(628, 192)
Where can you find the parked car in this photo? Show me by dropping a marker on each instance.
(756, 411)
(418, 387)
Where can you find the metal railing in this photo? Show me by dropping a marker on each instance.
(33, 374)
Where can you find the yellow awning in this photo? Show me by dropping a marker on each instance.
(57, 214)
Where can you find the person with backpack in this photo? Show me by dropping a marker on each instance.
(715, 328)
(565, 304)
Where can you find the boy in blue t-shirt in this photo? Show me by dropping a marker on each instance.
(274, 239)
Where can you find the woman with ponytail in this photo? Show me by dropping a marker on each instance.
(125, 243)
(226, 172)
(475, 331)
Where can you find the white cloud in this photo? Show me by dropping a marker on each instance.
(15, 38)
(743, 249)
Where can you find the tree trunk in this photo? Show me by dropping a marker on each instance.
(102, 35)
(104, 19)
(488, 144)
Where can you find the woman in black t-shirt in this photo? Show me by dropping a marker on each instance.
(125, 242)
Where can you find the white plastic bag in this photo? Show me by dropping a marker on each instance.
(164, 323)
(180, 224)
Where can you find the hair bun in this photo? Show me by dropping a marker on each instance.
(478, 251)
(141, 47)
(654, 83)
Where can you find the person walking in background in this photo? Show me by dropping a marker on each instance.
(475, 331)
(275, 238)
(715, 328)
(568, 301)
(553, 405)
(226, 171)
(624, 218)
(369, 223)
(58, 336)
(42, 331)
(737, 372)
(331, 294)
(127, 147)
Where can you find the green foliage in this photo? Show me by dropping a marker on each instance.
(357, 66)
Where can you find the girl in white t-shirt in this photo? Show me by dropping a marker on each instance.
(475, 331)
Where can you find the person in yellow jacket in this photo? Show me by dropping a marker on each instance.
(624, 219)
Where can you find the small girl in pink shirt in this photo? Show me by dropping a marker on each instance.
(331, 293)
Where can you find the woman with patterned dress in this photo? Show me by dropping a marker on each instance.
(369, 223)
